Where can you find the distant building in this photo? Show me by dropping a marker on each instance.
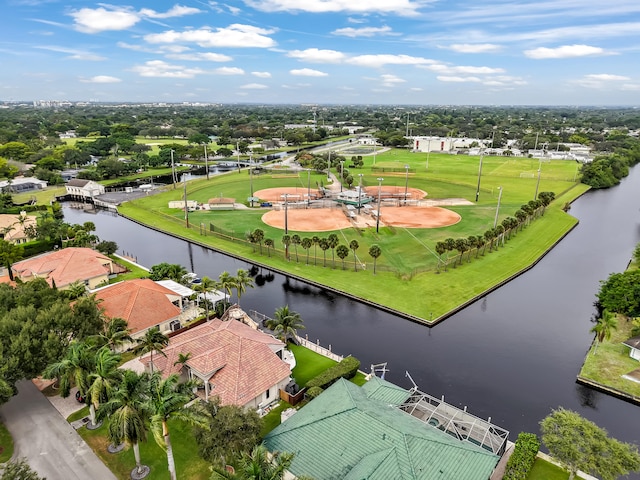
(79, 187)
(22, 184)
(12, 227)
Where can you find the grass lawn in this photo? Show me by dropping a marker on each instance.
(543, 470)
(188, 463)
(134, 271)
(408, 261)
(308, 364)
(611, 360)
(6, 444)
(272, 419)
(43, 197)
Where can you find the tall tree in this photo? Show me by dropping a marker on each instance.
(242, 281)
(375, 252)
(259, 465)
(343, 252)
(9, 254)
(258, 237)
(227, 283)
(128, 414)
(152, 341)
(580, 444)
(306, 244)
(166, 399)
(315, 240)
(324, 246)
(286, 241)
(205, 286)
(354, 245)
(285, 323)
(604, 327)
(333, 242)
(103, 379)
(295, 241)
(73, 369)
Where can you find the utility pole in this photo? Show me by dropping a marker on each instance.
(206, 163)
(341, 173)
(535, 196)
(360, 193)
(308, 187)
(173, 171)
(186, 206)
(479, 176)
(406, 183)
(286, 219)
(380, 179)
(495, 221)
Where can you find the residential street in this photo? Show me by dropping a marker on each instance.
(51, 446)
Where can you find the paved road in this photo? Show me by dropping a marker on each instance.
(50, 445)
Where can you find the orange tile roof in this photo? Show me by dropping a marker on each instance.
(242, 358)
(141, 302)
(65, 266)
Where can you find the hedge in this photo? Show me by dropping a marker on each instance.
(524, 455)
(347, 368)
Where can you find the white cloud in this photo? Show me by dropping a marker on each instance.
(607, 77)
(461, 69)
(235, 35)
(631, 87)
(253, 86)
(389, 80)
(261, 74)
(416, 89)
(94, 20)
(458, 79)
(101, 79)
(315, 55)
(356, 20)
(175, 11)
(229, 71)
(565, 51)
(308, 72)
(73, 53)
(474, 47)
(363, 32)
(398, 7)
(200, 56)
(386, 59)
(158, 68)
(600, 80)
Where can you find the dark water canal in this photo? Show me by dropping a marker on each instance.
(511, 356)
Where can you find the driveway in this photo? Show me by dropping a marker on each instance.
(51, 446)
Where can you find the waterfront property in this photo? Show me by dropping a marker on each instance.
(68, 265)
(381, 431)
(83, 189)
(240, 364)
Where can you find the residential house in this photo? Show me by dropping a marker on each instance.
(22, 184)
(144, 304)
(12, 227)
(66, 266)
(381, 431)
(240, 364)
(79, 187)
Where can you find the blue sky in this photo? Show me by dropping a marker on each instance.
(561, 52)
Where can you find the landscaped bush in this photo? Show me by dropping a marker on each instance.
(37, 247)
(523, 457)
(313, 392)
(347, 368)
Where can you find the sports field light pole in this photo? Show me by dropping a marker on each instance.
(173, 171)
(428, 152)
(251, 180)
(380, 179)
(538, 182)
(360, 193)
(238, 154)
(479, 176)
(495, 221)
(186, 205)
(206, 161)
(406, 183)
(341, 173)
(286, 219)
(308, 187)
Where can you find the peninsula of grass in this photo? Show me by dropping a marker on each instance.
(408, 263)
(6, 444)
(606, 363)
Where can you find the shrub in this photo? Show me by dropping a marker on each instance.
(347, 368)
(524, 455)
(313, 392)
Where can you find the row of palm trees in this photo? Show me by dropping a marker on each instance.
(494, 237)
(225, 283)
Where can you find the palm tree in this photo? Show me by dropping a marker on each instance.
(375, 252)
(176, 273)
(166, 399)
(226, 282)
(315, 239)
(76, 290)
(440, 249)
(258, 465)
(242, 281)
(205, 286)
(354, 245)
(73, 369)
(269, 244)
(324, 246)
(258, 237)
(116, 332)
(285, 323)
(333, 241)
(343, 252)
(9, 254)
(604, 327)
(461, 246)
(182, 359)
(103, 380)
(472, 242)
(480, 242)
(128, 414)
(306, 244)
(286, 241)
(295, 241)
(450, 245)
(153, 341)
(489, 235)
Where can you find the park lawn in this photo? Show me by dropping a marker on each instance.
(188, 463)
(611, 360)
(6, 444)
(42, 197)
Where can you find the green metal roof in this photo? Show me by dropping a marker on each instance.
(347, 433)
(379, 389)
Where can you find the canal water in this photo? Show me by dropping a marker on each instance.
(512, 355)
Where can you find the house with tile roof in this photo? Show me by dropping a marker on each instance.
(240, 364)
(66, 266)
(12, 227)
(143, 303)
(352, 433)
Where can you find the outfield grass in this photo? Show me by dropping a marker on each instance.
(6, 444)
(611, 361)
(408, 262)
(188, 463)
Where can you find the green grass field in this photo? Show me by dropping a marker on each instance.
(6, 444)
(408, 262)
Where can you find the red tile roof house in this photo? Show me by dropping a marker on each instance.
(68, 265)
(143, 304)
(241, 365)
